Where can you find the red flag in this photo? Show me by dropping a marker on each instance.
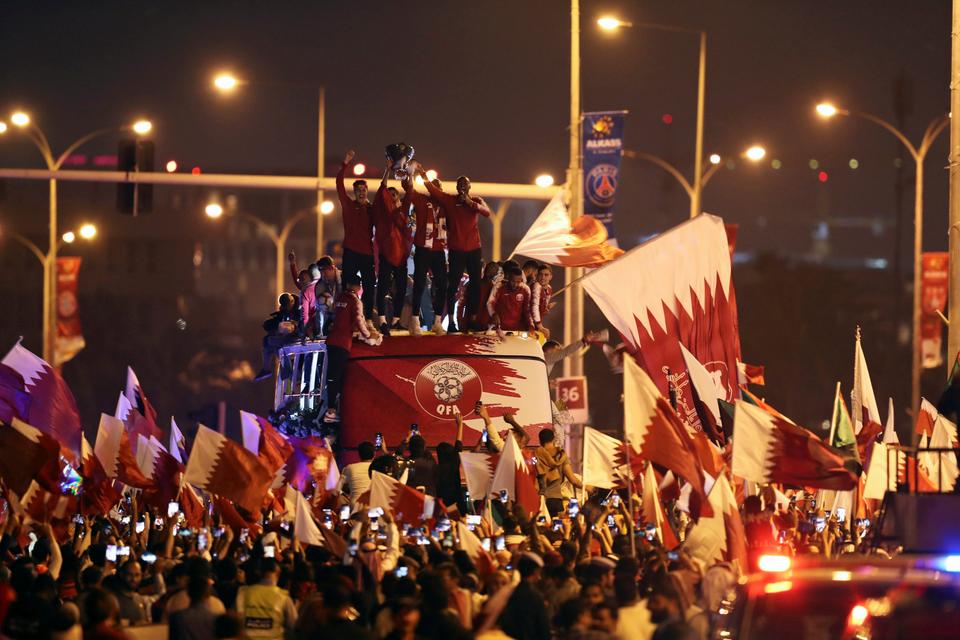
(675, 289)
(406, 504)
(113, 449)
(515, 476)
(769, 449)
(225, 468)
(275, 450)
(653, 510)
(231, 516)
(52, 408)
(720, 536)
(98, 493)
(28, 454)
(45, 506)
(311, 461)
(925, 418)
(604, 460)
(654, 432)
(14, 399)
(478, 468)
(191, 506)
(165, 476)
(751, 374)
(554, 239)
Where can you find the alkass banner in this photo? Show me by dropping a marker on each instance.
(426, 382)
(933, 298)
(602, 136)
(69, 333)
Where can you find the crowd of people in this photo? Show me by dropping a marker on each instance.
(576, 569)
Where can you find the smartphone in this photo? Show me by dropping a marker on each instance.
(651, 532)
(558, 525)
(352, 548)
(504, 496)
(125, 520)
(78, 519)
(172, 509)
(673, 556)
(111, 553)
(345, 512)
(185, 533)
(616, 500)
(148, 557)
(285, 525)
(141, 525)
(483, 436)
(218, 532)
(414, 429)
(841, 514)
(541, 519)
(573, 508)
(473, 520)
(501, 543)
(401, 572)
(158, 522)
(379, 440)
(374, 526)
(376, 512)
(269, 551)
(244, 536)
(123, 551)
(611, 522)
(485, 543)
(202, 542)
(820, 523)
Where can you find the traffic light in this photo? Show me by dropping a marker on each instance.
(134, 156)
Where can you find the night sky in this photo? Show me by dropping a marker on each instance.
(482, 88)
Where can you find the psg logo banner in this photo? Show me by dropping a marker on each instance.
(602, 136)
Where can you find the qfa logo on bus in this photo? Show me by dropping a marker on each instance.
(447, 387)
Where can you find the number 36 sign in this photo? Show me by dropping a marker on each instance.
(572, 395)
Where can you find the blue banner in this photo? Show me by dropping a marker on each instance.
(602, 136)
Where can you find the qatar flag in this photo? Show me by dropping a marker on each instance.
(405, 504)
(261, 438)
(162, 469)
(52, 408)
(863, 403)
(14, 399)
(178, 444)
(554, 239)
(225, 468)
(28, 454)
(604, 460)
(142, 417)
(673, 290)
(721, 536)
(40, 505)
(653, 510)
(99, 493)
(515, 476)
(470, 543)
(115, 453)
(478, 468)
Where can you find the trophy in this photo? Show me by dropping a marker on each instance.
(400, 155)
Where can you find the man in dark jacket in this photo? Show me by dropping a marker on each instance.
(282, 329)
(525, 615)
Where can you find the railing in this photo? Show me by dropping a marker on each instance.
(911, 458)
(302, 376)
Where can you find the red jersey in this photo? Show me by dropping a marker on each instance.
(431, 223)
(393, 236)
(540, 303)
(357, 220)
(463, 230)
(484, 316)
(513, 307)
(348, 318)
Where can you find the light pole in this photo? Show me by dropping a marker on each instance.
(227, 83)
(610, 23)
(215, 211)
(573, 305)
(22, 121)
(918, 153)
(709, 169)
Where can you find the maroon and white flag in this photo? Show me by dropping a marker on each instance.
(604, 460)
(27, 454)
(554, 239)
(142, 417)
(707, 394)
(406, 504)
(178, 444)
(40, 505)
(863, 402)
(163, 471)
(52, 407)
(720, 537)
(516, 477)
(675, 289)
(478, 468)
(654, 432)
(769, 449)
(304, 526)
(653, 510)
(99, 493)
(225, 468)
(115, 452)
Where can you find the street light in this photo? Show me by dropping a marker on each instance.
(22, 121)
(326, 208)
(88, 231)
(715, 158)
(215, 210)
(755, 153)
(359, 169)
(69, 237)
(544, 180)
(612, 23)
(431, 175)
(827, 110)
(226, 83)
(3, 126)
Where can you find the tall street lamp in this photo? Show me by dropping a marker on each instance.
(228, 83)
(756, 153)
(828, 110)
(22, 121)
(611, 23)
(215, 211)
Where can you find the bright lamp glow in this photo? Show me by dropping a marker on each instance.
(431, 175)
(171, 166)
(69, 237)
(359, 169)
(773, 564)
(858, 615)
(611, 23)
(715, 158)
(951, 564)
(225, 82)
(544, 180)
(826, 110)
(3, 127)
(842, 576)
(756, 153)
(142, 127)
(213, 210)
(20, 119)
(326, 207)
(88, 231)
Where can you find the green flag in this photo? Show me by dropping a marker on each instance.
(842, 435)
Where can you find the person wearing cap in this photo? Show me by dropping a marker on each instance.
(525, 615)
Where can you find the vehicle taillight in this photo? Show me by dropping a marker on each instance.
(769, 563)
(858, 615)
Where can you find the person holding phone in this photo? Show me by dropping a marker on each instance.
(449, 488)
(355, 477)
(420, 463)
(495, 440)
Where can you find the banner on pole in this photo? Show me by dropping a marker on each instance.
(933, 298)
(602, 140)
(69, 340)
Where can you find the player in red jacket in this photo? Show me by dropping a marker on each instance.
(540, 305)
(348, 319)
(463, 241)
(393, 244)
(357, 234)
(511, 309)
(429, 240)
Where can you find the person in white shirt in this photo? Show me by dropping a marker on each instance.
(355, 477)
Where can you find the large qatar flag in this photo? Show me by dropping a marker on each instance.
(676, 289)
